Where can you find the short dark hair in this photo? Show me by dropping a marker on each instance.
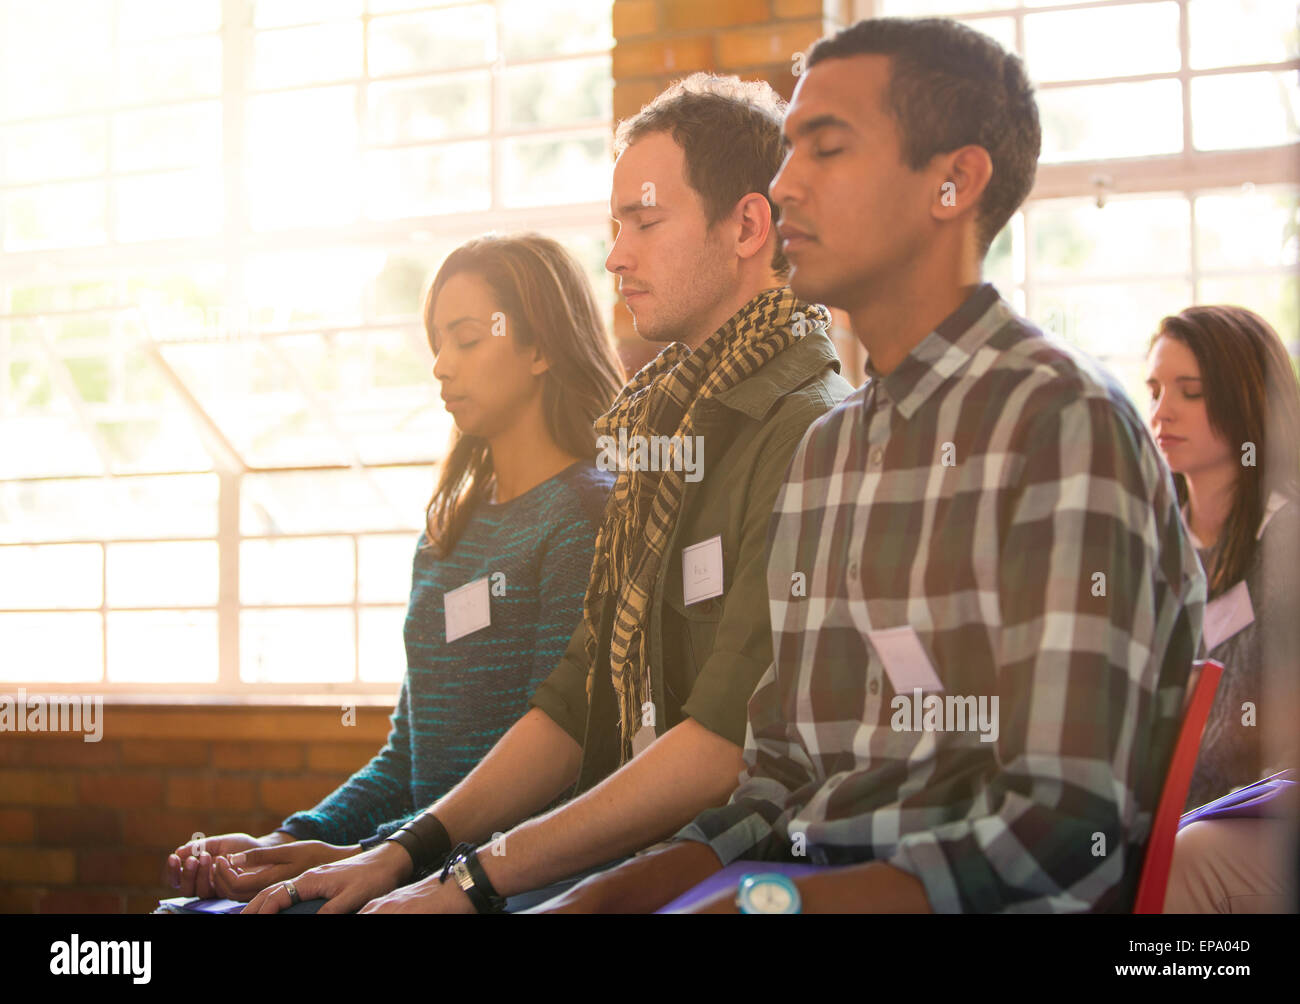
(951, 86)
(730, 132)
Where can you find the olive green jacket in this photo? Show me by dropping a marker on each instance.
(706, 658)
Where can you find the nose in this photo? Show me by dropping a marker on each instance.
(442, 368)
(785, 186)
(618, 260)
(1162, 412)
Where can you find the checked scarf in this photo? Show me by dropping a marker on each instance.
(660, 400)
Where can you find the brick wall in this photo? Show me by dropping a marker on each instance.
(86, 827)
(659, 41)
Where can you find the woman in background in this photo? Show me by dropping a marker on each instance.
(1225, 411)
(525, 368)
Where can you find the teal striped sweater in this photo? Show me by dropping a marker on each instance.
(459, 698)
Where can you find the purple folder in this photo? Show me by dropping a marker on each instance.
(1270, 798)
(192, 904)
(729, 878)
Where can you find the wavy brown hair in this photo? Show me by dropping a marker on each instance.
(1251, 396)
(548, 303)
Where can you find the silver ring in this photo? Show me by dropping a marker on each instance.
(292, 890)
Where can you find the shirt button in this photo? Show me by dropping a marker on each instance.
(853, 570)
(874, 686)
(876, 456)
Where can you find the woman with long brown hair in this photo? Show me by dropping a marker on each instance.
(1225, 411)
(500, 571)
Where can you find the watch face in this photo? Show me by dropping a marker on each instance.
(769, 894)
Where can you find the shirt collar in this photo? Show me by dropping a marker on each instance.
(944, 351)
(1276, 500)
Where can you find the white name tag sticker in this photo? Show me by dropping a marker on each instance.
(702, 570)
(468, 609)
(908, 666)
(1227, 614)
(641, 741)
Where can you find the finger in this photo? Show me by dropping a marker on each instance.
(203, 876)
(246, 884)
(225, 879)
(188, 874)
(259, 856)
(174, 867)
(344, 900)
(274, 899)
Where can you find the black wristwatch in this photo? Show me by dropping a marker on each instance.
(464, 867)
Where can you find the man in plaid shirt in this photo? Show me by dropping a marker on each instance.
(983, 603)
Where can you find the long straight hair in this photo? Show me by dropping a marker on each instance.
(548, 303)
(1251, 397)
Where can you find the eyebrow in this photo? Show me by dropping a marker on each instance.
(631, 208)
(826, 121)
(453, 324)
(1181, 379)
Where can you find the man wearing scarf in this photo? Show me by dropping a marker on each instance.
(643, 721)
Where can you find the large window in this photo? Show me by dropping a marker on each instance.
(218, 424)
(1169, 167)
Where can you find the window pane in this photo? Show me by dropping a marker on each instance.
(1250, 228)
(273, 13)
(51, 648)
(168, 71)
(1276, 298)
(187, 136)
(1246, 31)
(1001, 29)
(404, 112)
(384, 499)
(437, 40)
(1102, 42)
(179, 506)
(51, 577)
(1004, 265)
(1075, 238)
(302, 158)
(311, 570)
(140, 20)
(454, 178)
(175, 204)
(1244, 110)
(163, 646)
(919, 8)
(1111, 120)
(385, 568)
(55, 57)
(316, 55)
(69, 149)
(538, 172)
(296, 646)
(558, 93)
(182, 574)
(1113, 319)
(55, 216)
(383, 649)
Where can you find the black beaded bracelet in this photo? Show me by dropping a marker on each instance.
(426, 840)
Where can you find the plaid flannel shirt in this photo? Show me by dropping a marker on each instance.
(998, 494)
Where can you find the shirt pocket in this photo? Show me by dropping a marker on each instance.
(689, 634)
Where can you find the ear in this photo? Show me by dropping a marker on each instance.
(754, 217)
(539, 364)
(962, 175)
